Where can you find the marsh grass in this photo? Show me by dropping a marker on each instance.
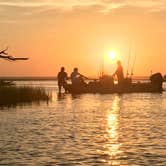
(13, 95)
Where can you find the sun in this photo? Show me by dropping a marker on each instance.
(112, 55)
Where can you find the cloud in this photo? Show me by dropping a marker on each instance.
(22, 10)
(70, 3)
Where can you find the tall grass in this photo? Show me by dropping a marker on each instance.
(13, 95)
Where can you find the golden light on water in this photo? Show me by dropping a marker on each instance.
(112, 130)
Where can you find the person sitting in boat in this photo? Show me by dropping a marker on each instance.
(119, 73)
(62, 79)
(76, 77)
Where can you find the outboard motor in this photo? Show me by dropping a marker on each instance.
(157, 81)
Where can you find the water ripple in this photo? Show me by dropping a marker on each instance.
(86, 130)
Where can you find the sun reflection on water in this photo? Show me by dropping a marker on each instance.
(113, 145)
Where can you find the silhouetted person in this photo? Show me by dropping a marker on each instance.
(76, 77)
(119, 73)
(62, 79)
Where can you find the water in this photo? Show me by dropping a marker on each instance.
(89, 129)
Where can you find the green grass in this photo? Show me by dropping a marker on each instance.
(13, 95)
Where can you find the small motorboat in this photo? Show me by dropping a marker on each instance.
(106, 85)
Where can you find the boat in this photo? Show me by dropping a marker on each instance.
(106, 85)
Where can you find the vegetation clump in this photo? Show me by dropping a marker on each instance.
(13, 95)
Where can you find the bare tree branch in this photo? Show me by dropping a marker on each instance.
(4, 51)
(5, 56)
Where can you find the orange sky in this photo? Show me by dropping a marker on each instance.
(76, 33)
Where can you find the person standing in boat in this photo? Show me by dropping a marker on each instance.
(76, 77)
(119, 73)
(62, 79)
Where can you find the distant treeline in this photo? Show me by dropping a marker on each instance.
(28, 78)
(51, 78)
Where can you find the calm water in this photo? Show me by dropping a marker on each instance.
(87, 129)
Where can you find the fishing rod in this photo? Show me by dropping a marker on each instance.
(127, 72)
(101, 72)
(132, 69)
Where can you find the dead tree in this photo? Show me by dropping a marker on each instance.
(4, 55)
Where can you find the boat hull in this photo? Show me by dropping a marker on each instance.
(96, 88)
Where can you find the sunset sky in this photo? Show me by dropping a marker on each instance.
(78, 33)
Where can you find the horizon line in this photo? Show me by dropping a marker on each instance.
(47, 78)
